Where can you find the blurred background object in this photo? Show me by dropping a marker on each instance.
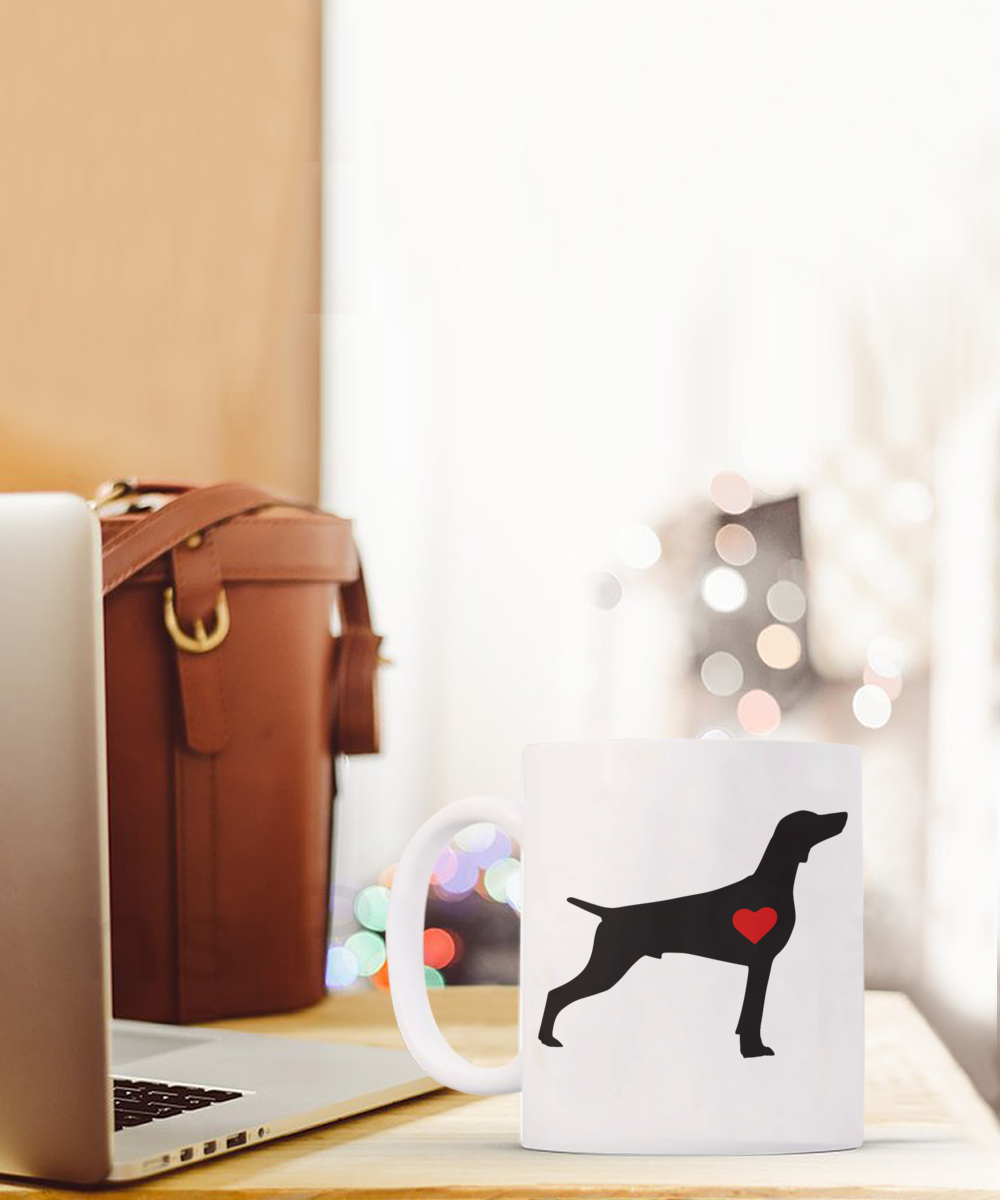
(663, 370)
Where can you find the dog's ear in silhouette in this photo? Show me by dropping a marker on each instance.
(797, 833)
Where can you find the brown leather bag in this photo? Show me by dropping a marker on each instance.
(227, 698)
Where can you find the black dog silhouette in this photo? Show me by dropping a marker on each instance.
(748, 922)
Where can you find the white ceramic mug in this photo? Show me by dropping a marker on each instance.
(692, 976)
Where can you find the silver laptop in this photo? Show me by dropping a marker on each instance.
(84, 1098)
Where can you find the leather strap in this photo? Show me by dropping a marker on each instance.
(355, 710)
(197, 584)
(188, 513)
(355, 726)
(277, 545)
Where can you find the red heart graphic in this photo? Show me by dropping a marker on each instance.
(754, 925)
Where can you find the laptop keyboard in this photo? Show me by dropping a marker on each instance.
(139, 1101)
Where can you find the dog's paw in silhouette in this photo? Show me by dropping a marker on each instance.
(754, 1048)
(549, 1040)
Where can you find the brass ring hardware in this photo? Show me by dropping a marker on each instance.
(202, 642)
(113, 489)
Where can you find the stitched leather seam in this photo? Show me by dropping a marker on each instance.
(252, 574)
(128, 573)
(310, 521)
(181, 849)
(220, 674)
(214, 819)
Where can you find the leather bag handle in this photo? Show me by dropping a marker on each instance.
(188, 513)
(355, 724)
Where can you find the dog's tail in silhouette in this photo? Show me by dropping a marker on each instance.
(605, 968)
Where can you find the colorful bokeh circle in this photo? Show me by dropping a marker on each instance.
(439, 948)
(371, 907)
(368, 950)
(341, 967)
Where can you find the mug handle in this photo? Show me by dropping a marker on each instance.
(405, 947)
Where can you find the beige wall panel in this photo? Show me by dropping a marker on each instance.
(159, 241)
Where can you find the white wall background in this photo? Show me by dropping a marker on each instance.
(579, 256)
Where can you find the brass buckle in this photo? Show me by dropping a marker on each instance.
(202, 642)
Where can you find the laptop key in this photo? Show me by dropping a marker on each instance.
(124, 1120)
(150, 1110)
(139, 1101)
(177, 1099)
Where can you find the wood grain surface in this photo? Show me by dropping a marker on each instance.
(928, 1134)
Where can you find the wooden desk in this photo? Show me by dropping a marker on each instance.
(928, 1133)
